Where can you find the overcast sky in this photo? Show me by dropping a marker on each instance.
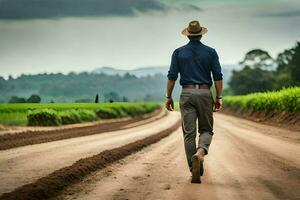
(81, 35)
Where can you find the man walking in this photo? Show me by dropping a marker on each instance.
(195, 62)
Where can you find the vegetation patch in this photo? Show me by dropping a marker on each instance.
(287, 99)
(87, 115)
(281, 108)
(56, 114)
(107, 113)
(44, 117)
(69, 117)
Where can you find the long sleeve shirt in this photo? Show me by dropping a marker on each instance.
(196, 63)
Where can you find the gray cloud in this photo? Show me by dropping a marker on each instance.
(282, 14)
(190, 7)
(39, 9)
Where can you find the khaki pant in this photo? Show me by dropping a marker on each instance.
(196, 104)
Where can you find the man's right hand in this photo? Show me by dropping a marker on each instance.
(218, 105)
(169, 104)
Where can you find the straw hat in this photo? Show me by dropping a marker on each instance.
(194, 29)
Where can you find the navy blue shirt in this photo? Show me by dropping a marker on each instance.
(196, 63)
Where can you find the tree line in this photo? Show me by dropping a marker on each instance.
(34, 98)
(261, 72)
(83, 87)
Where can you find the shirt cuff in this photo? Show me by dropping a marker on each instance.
(218, 78)
(173, 78)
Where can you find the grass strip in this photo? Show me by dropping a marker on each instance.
(285, 100)
(50, 114)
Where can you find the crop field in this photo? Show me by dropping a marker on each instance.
(57, 114)
(287, 99)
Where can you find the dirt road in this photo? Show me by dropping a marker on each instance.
(26, 164)
(247, 160)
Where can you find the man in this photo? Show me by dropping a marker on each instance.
(195, 62)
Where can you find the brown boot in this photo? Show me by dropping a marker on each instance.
(197, 168)
(201, 153)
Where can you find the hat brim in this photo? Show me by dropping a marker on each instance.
(187, 33)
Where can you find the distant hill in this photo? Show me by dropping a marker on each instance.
(139, 72)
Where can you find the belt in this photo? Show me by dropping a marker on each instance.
(197, 86)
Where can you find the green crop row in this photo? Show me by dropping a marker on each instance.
(287, 99)
(49, 117)
(56, 114)
(25, 107)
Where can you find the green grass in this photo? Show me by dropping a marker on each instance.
(176, 106)
(15, 118)
(287, 99)
(24, 107)
(16, 114)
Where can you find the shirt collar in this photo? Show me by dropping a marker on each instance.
(195, 42)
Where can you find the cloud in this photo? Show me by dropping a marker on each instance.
(39, 9)
(190, 7)
(284, 14)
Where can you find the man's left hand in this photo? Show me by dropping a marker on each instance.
(169, 104)
(218, 105)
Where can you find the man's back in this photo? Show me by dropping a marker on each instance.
(195, 62)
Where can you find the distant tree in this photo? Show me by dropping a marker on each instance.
(295, 65)
(284, 59)
(148, 97)
(34, 98)
(288, 67)
(257, 74)
(125, 99)
(52, 101)
(129, 76)
(2, 84)
(71, 74)
(258, 58)
(112, 96)
(15, 99)
(250, 80)
(83, 100)
(283, 70)
(97, 98)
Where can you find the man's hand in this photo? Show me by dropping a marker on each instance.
(218, 105)
(169, 101)
(169, 104)
(218, 101)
